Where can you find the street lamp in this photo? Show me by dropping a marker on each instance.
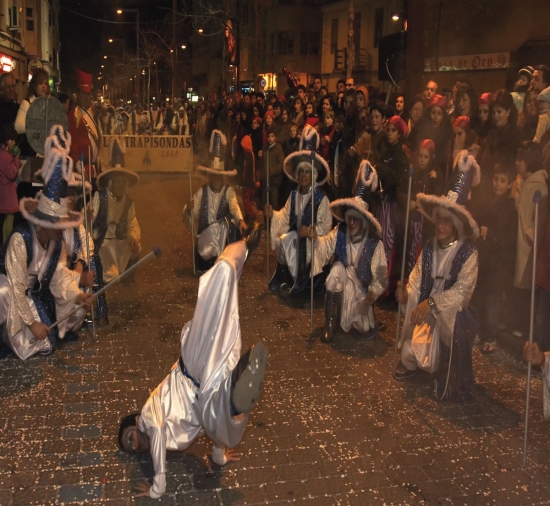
(136, 11)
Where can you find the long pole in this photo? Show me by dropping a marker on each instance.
(403, 260)
(266, 154)
(312, 241)
(191, 198)
(155, 253)
(536, 200)
(88, 257)
(137, 52)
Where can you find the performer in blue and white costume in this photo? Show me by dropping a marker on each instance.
(440, 288)
(359, 274)
(290, 225)
(215, 206)
(116, 230)
(36, 288)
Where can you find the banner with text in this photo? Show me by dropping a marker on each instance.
(148, 153)
(486, 61)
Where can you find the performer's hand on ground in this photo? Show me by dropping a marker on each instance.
(134, 243)
(312, 232)
(143, 488)
(228, 456)
(87, 278)
(268, 211)
(532, 353)
(303, 231)
(370, 298)
(242, 226)
(420, 312)
(84, 298)
(39, 330)
(483, 232)
(401, 293)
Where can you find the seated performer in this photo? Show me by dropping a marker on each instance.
(439, 327)
(36, 288)
(116, 230)
(209, 388)
(216, 207)
(290, 225)
(359, 274)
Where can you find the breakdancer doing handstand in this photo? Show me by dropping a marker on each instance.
(209, 388)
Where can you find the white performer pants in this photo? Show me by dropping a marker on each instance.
(211, 346)
(353, 310)
(23, 343)
(115, 255)
(286, 249)
(211, 242)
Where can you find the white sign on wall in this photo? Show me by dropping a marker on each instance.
(487, 61)
(146, 153)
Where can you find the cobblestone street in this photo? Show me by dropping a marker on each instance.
(332, 426)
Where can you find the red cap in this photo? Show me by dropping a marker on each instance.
(462, 122)
(84, 81)
(269, 113)
(437, 101)
(485, 98)
(311, 121)
(281, 98)
(258, 119)
(400, 125)
(427, 144)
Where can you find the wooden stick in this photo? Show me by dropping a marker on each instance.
(191, 210)
(312, 263)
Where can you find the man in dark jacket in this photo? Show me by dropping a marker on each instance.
(271, 160)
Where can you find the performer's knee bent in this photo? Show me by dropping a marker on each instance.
(407, 356)
(336, 278)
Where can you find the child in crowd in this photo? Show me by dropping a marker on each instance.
(9, 168)
(497, 219)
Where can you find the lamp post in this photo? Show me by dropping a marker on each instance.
(120, 11)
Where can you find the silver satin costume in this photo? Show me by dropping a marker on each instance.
(115, 253)
(212, 241)
(18, 310)
(178, 411)
(448, 302)
(285, 242)
(353, 310)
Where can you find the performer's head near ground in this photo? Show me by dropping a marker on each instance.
(130, 438)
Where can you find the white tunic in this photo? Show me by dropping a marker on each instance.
(448, 302)
(68, 239)
(18, 310)
(353, 310)
(546, 385)
(177, 411)
(284, 242)
(213, 239)
(115, 253)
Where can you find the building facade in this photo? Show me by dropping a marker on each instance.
(29, 38)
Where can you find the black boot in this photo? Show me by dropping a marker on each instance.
(253, 238)
(280, 277)
(247, 379)
(332, 306)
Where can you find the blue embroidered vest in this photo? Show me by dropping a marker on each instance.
(100, 224)
(223, 209)
(364, 271)
(72, 256)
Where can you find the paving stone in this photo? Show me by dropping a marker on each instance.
(79, 493)
(79, 388)
(81, 407)
(82, 432)
(80, 459)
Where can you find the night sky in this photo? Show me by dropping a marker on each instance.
(84, 41)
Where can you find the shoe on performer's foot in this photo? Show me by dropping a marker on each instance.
(402, 373)
(247, 379)
(253, 238)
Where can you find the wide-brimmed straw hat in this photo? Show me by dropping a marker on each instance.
(309, 143)
(340, 206)
(49, 209)
(466, 174)
(117, 163)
